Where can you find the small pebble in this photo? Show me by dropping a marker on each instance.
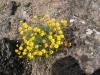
(89, 31)
(72, 20)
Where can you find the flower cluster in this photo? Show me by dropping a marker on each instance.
(42, 39)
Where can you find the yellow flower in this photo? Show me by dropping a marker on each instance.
(25, 50)
(31, 34)
(20, 48)
(31, 44)
(58, 38)
(20, 28)
(40, 53)
(34, 16)
(28, 48)
(29, 28)
(58, 28)
(19, 53)
(24, 53)
(21, 21)
(54, 29)
(55, 35)
(25, 41)
(30, 55)
(33, 38)
(57, 24)
(43, 50)
(35, 53)
(50, 37)
(56, 46)
(41, 19)
(53, 19)
(47, 22)
(38, 30)
(36, 46)
(51, 46)
(42, 33)
(25, 25)
(35, 29)
(46, 45)
(21, 32)
(58, 42)
(52, 40)
(17, 45)
(60, 32)
(61, 43)
(24, 37)
(50, 33)
(20, 56)
(51, 52)
(52, 24)
(64, 22)
(44, 41)
(16, 51)
(25, 30)
(62, 36)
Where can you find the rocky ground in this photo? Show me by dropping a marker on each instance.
(84, 27)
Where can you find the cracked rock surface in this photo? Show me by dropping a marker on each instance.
(84, 21)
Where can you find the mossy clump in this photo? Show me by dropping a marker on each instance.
(42, 39)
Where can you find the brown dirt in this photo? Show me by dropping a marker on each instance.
(81, 14)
